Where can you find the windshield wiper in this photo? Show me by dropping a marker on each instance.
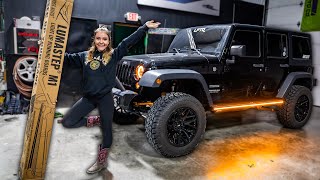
(195, 49)
(176, 50)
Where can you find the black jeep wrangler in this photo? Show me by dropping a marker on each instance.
(215, 68)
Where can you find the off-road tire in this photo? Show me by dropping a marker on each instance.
(156, 123)
(288, 114)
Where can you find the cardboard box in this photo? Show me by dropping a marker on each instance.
(38, 130)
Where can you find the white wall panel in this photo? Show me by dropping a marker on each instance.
(315, 37)
(286, 14)
(279, 3)
(316, 54)
(316, 90)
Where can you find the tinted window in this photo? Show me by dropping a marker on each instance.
(276, 45)
(250, 39)
(300, 47)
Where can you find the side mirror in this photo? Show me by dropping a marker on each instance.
(238, 50)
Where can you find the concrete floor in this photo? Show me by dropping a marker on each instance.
(255, 147)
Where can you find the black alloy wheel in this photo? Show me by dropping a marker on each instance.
(302, 108)
(175, 124)
(182, 126)
(297, 107)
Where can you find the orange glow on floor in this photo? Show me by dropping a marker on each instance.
(245, 105)
(244, 158)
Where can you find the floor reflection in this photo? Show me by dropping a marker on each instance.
(253, 154)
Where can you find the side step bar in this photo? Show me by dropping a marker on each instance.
(238, 106)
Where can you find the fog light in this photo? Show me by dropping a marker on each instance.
(137, 85)
(158, 81)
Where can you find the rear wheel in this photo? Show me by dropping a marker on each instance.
(297, 108)
(175, 124)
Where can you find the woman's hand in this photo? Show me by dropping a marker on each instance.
(152, 25)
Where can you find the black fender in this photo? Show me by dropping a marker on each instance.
(290, 79)
(124, 98)
(149, 78)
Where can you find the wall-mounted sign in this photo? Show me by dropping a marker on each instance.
(311, 16)
(209, 7)
(130, 16)
(26, 41)
(164, 31)
(260, 2)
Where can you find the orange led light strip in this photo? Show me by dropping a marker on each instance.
(225, 107)
(143, 104)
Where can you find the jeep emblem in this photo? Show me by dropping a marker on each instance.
(125, 62)
(200, 30)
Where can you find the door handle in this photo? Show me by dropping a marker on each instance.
(258, 65)
(284, 65)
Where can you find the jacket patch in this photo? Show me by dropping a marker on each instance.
(94, 65)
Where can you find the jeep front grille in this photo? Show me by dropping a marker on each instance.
(125, 74)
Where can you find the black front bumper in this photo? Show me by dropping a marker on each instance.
(124, 98)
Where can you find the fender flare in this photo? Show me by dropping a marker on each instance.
(149, 78)
(289, 81)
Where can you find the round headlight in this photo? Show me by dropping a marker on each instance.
(139, 72)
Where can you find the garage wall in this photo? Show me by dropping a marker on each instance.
(108, 11)
(288, 14)
(105, 12)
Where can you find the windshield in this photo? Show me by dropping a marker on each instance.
(206, 39)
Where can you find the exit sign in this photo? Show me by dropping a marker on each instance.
(130, 16)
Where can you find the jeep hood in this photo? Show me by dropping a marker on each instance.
(176, 59)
